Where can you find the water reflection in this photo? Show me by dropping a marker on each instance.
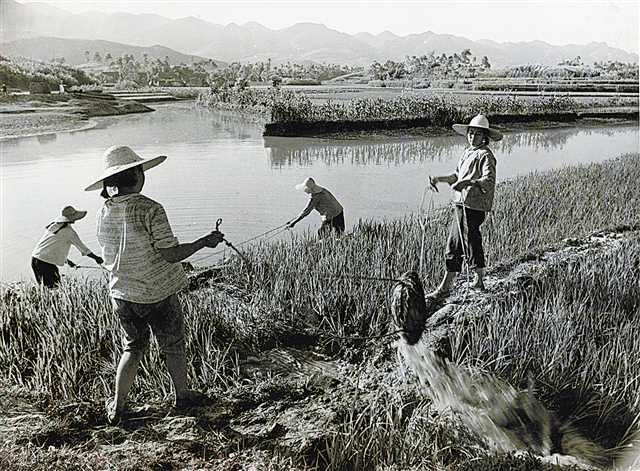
(305, 151)
(293, 151)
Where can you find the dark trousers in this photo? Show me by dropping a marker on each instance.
(471, 242)
(46, 273)
(334, 224)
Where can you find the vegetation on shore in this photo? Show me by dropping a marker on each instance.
(21, 72)
(285, 106)
(574, 330)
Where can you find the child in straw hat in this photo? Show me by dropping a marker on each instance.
(52, 249)
(473, 183)
(321, 199)
(143, 257)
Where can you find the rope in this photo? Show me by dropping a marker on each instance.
(358, 337)
(463, 240)
(244, 242)
(423, 224)
(357, 277)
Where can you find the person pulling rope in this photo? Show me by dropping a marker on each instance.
(474, 185)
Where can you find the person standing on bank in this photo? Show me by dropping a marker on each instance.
(143, 257)
(474, 184)
(321, 199)
(52, 249)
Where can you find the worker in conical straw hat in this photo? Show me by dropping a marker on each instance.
(143, 255)
(52, 249)
(323, 201)
(474, 184)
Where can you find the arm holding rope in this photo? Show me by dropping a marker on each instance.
(305, 212)
(179, 252)
(449, 179)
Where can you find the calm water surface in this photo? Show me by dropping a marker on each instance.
(220, 166)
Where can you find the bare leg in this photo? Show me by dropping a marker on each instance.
(127, 370)
(177, 366)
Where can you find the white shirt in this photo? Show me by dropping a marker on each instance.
(54, 248)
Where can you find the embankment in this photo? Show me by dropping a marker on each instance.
(316, 128)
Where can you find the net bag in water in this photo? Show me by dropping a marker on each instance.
(408, 307)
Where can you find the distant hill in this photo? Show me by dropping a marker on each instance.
(73, 50)
(252, 41)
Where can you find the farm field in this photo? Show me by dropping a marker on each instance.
(306, 381)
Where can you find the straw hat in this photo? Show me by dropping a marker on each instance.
(120, 158)
(479, 121)
(70, 214)
(309, 186)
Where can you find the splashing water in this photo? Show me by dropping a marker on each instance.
(506, 419)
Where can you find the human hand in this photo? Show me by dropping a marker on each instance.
(433, 183)
(462, 184)
(213, 239)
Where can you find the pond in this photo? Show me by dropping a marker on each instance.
(221, 167)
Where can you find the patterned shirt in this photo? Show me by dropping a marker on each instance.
(131, 229)
(54, 248)
(480, 165)
(323, 202)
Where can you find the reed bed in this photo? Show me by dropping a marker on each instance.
(281, 106)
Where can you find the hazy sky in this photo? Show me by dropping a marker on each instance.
(553, 21)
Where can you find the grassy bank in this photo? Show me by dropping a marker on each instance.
(574, 330)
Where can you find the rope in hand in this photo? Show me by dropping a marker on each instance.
(244, 242)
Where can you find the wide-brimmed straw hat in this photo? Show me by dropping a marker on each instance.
(120, 158)
(479, 121)
(309, 186)
(70, 214)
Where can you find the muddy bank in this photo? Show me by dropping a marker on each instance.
(33, 115)
(332, 128)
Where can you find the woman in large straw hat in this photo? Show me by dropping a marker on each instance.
(474, 184)
(143, 257)
(52, 249)
(323, 201)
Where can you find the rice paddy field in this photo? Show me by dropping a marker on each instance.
(341, 399)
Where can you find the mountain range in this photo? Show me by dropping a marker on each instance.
(252, 41)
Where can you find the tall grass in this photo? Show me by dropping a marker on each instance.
(441, 110)
(582, 342)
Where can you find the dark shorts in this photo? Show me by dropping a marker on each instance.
(335, 224)
(164, 319)
(46, 273)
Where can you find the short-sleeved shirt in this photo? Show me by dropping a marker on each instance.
(131, 230)
(325, 203)
(54, 248)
